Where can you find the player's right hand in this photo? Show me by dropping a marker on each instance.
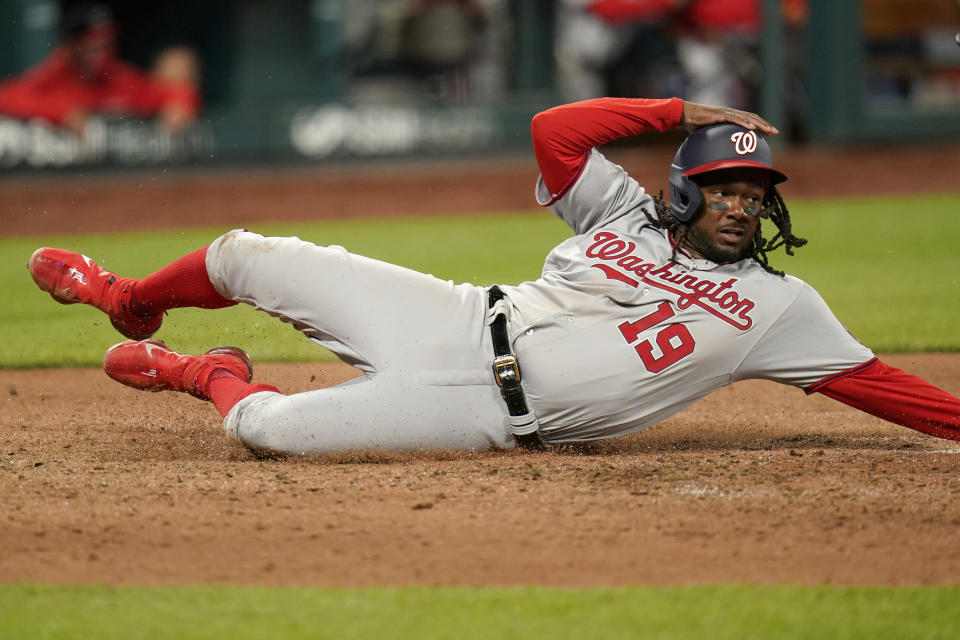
(700, 115)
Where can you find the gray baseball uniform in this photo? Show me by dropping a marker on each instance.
(612, 338)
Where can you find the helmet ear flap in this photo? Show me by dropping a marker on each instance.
(686, 201)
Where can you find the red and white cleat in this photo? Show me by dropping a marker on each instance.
(152, 366)
(72, 277)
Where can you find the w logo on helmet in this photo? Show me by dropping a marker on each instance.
(744, 142)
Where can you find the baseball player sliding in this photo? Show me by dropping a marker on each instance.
(647, 308)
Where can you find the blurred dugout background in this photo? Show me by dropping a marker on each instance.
(312, 80)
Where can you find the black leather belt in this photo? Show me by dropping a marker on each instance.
(506, 371)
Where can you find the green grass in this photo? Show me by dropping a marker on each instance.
(714, 612)
(889, 268)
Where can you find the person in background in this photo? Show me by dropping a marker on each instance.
(83, 77)
(715, 44)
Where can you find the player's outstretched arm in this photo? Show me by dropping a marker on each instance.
(700, 115)
(899, 397)
(563, 136)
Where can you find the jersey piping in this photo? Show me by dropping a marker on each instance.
(816, 386)
(556, 196)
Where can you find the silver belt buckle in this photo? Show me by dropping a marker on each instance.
(506, 368)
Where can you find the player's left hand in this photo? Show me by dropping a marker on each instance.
(700, 115)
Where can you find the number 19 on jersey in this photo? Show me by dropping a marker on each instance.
(673, 341)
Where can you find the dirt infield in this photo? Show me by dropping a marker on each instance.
(757, 483)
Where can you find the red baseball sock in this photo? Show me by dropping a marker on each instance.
(182, 283)
(225, 390)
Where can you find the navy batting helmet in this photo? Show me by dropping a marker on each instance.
(718, 146)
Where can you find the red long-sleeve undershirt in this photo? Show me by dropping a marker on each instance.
(562, 138)
(897, 396)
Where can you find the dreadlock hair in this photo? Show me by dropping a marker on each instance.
(773, 208)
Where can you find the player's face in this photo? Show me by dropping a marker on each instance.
(94, 50)
(725, 229)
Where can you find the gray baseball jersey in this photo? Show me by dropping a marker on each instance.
(612, 338)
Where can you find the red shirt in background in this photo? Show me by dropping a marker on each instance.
(739, 15)
(54, 89)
